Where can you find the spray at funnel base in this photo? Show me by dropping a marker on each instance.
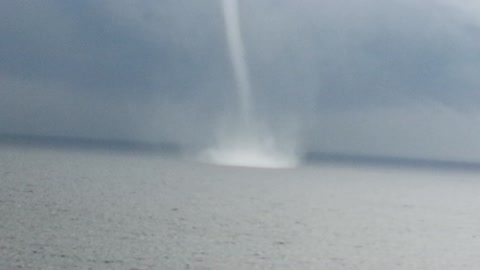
(250, 157)
(251, 150)
(250, 147)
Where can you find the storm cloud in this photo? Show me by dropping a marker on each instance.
(394, 77)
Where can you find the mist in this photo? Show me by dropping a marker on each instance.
(395, 78)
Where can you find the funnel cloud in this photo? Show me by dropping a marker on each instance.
(248, 145)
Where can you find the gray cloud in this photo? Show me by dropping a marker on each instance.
(396, 77)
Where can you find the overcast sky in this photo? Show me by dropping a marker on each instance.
(398, 77)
